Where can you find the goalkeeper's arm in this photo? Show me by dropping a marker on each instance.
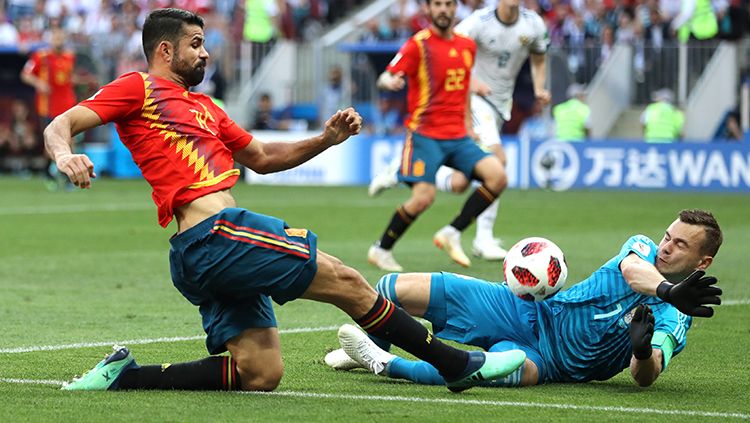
(691, 295)
(646, 371)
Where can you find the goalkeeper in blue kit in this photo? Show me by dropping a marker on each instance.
(634, 312)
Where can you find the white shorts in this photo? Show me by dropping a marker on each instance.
(487, 122)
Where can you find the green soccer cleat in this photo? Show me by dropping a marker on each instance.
(487, 366)
(105, 375)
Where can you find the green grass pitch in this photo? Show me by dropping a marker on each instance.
(91, 267)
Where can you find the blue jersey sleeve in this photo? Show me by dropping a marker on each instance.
(641, 245)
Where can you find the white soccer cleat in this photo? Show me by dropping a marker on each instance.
(340, 360)
(387, 178)
(383, 259)
(489, 249)
(360, 347)
(449, 239)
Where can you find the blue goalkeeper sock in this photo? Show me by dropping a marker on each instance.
(415, 371)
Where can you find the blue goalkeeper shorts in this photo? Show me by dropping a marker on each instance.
(232, 264)
(484, 314)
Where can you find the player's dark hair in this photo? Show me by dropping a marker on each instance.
(713, 236)
(166, 25)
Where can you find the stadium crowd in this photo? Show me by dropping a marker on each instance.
(105, 36)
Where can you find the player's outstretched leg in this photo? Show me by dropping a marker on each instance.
(120, 371)
(106, 374)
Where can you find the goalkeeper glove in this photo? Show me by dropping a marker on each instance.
(641, 331)
(691, 295)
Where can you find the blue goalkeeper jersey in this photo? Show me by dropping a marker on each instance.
(583, 332)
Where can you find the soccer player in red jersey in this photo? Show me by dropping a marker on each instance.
(437, 63)
(228, 261)
(50, 72)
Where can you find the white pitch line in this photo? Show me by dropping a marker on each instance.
(735, 302)
(35, 348)
(32, 381)
(488, 403)
(608, 409)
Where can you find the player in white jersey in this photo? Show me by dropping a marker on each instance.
(506, 36)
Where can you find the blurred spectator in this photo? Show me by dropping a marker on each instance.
(18, 141)
(607, 44)
(27, 34)
(261, 20)
(333, 92)
(387, 118)
(662, 121)
(264, 115)
(573, 117)
(730, 128)
(8, 32)
(20, 8)
(538, 126)
(696, 19)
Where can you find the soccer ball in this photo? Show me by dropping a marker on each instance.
(535, 269)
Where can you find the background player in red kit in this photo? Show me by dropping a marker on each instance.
(228, 261)
(50, 72)
(437, 64)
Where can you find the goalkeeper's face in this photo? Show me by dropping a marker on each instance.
(680, 250)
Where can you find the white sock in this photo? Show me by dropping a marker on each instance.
(443, 179)
(486, 222)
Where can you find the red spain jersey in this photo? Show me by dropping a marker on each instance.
(57, 70)
(182, 142)
(437, 72)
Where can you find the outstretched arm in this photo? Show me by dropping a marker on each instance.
(58, 140)
(691, 295)
(277, 156)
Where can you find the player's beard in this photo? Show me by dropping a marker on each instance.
(193, 75)
(442, 22)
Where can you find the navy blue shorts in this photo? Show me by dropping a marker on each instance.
(422, 156)
(483, 314)
(232, 264)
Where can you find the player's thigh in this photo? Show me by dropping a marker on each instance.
(338, 284)
(258, 355)
(474, 312)
(413, 292)
(492, 172)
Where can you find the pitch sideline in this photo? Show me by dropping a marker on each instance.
(487, 403)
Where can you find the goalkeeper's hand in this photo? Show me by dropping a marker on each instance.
(641, 331)
(692, 294)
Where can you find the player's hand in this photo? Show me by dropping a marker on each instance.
(42, 87)
(471, 133)
(692, 294)
(480, 88)
(342, 125)
(543, 97)
(78, 168)
(641, 331)
(397, 82)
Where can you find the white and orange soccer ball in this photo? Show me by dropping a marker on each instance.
(535, 269)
